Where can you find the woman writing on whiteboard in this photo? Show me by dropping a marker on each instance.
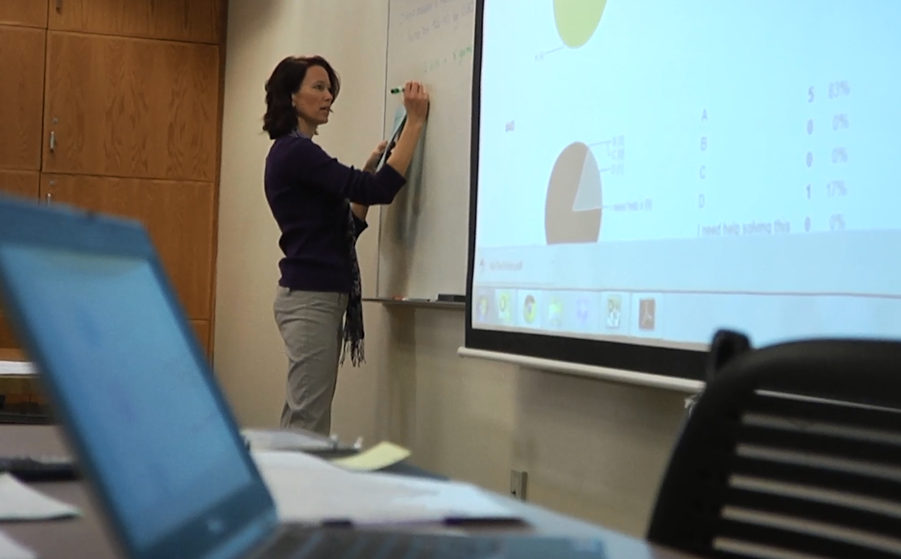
(320, 207)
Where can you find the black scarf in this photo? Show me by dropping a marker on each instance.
(353, 314)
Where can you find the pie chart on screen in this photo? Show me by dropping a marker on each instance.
(577, 20)
(572, 212)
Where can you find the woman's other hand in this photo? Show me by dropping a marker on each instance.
(416, 101)
(375, 157)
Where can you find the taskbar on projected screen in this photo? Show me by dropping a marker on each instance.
(840, 263)
(679, 320)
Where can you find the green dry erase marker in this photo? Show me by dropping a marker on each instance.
(396, 90)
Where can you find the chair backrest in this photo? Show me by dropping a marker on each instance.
(792, 451)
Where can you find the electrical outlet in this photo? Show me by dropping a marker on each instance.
(518, 484)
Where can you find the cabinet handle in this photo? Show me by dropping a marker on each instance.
(52, 142)
(59, 6)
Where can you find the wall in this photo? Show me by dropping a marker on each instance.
(592, 449)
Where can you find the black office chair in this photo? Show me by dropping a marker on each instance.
(792, 450)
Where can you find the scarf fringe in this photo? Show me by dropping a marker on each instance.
(352, 345)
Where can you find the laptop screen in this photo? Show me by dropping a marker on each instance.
(133, 383)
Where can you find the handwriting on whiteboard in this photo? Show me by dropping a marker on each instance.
(456, 57)
(432, 17)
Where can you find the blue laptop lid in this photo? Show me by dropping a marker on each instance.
(127, 380)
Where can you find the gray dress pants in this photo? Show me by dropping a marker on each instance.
(312, 325)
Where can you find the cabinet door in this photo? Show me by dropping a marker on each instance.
(32, 13)
(181, 20)
(202, 331)
(23, 184)
(131, 107)
(10, 348)
(21, 96)
(178, 215)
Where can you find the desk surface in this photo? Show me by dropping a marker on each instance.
(85, 537)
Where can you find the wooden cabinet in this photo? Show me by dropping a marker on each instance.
(131, 107)
(21, 96)
(178, 215)
(24, 184)
(202, 331)
(9, 345)
(114, 106)
(181, 20)
(32, 13)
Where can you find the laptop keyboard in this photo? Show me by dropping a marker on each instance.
(350, 544)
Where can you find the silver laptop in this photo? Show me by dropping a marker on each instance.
(144, 415)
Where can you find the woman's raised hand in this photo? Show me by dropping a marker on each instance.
(416, 101)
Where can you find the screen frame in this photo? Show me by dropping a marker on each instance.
(251, 508)
(655, 360)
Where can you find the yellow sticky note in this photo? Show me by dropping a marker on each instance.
(380, 456)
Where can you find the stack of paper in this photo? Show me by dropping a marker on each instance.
(20, 502)
(9, 549)
(278, 439)
(380, 456)
(16, 368)
(311, 490)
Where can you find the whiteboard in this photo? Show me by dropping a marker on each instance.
(424, 233)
